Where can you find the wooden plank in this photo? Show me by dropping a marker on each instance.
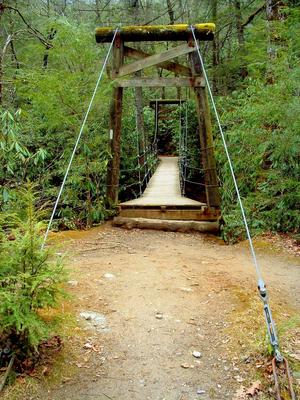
(166, 101)
(161, 82)
(154, 60)
(156, 32)
(167, 65)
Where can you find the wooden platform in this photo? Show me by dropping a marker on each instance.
(162, 198)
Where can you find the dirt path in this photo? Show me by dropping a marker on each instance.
(165, 295)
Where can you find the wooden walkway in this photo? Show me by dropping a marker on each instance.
(162, 200)
(164, 187)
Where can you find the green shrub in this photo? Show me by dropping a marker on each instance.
(30, 278)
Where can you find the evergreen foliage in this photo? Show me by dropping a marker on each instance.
(30, 278)
(262, 128)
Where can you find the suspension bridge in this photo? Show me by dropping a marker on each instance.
(161, 194)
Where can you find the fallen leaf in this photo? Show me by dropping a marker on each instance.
(254, 389)
(240, 394)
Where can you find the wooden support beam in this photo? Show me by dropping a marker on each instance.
(156, 32)
(206, 138)
(154, 60)
(113, 168)
(167, 225)
(166, 101)
(171, 214)
(168, 65)
(161, 82)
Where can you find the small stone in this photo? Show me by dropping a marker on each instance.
(239, 379)
(185, 366)
(109, 276)
(196, 354)
(95, 320)
(86, 316)
(73, 283)
(159, 316)
(186, 289)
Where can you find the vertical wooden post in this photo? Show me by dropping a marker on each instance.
(206, 137)
(113, 169)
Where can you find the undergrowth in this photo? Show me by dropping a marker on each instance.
(30, 278)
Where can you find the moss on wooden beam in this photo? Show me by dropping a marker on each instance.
(156, 33)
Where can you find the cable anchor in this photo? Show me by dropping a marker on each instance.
(283, 370)
(278, 362)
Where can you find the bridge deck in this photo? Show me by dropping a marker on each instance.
(162, 200)
(164, 188)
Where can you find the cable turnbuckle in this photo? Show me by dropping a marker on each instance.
(263, 294)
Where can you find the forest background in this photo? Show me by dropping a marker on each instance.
(49, 63)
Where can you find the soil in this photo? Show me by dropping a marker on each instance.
(161, 297)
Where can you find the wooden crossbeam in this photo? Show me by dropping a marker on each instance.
(168, 65)
(166, 101)
(156, 32)
(161, 82)
(154, 59)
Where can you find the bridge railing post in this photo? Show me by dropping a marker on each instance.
(113, 170)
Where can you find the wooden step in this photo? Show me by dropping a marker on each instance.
(167, 225)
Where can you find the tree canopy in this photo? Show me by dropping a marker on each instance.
(49, 63)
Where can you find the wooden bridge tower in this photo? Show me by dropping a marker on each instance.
(189, 75)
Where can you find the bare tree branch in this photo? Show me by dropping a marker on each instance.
(253, 15)
(39, 35)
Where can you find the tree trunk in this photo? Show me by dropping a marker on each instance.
(1, 56)
(273, 10)
(273, 14)
(215, 51)
(239, 24)
(97, 8)
(170, 12)
(48, 8)
(50, 37)
(243, 72)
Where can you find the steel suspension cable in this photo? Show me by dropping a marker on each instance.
(78, 140)
(257, 268)
(261, 284)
